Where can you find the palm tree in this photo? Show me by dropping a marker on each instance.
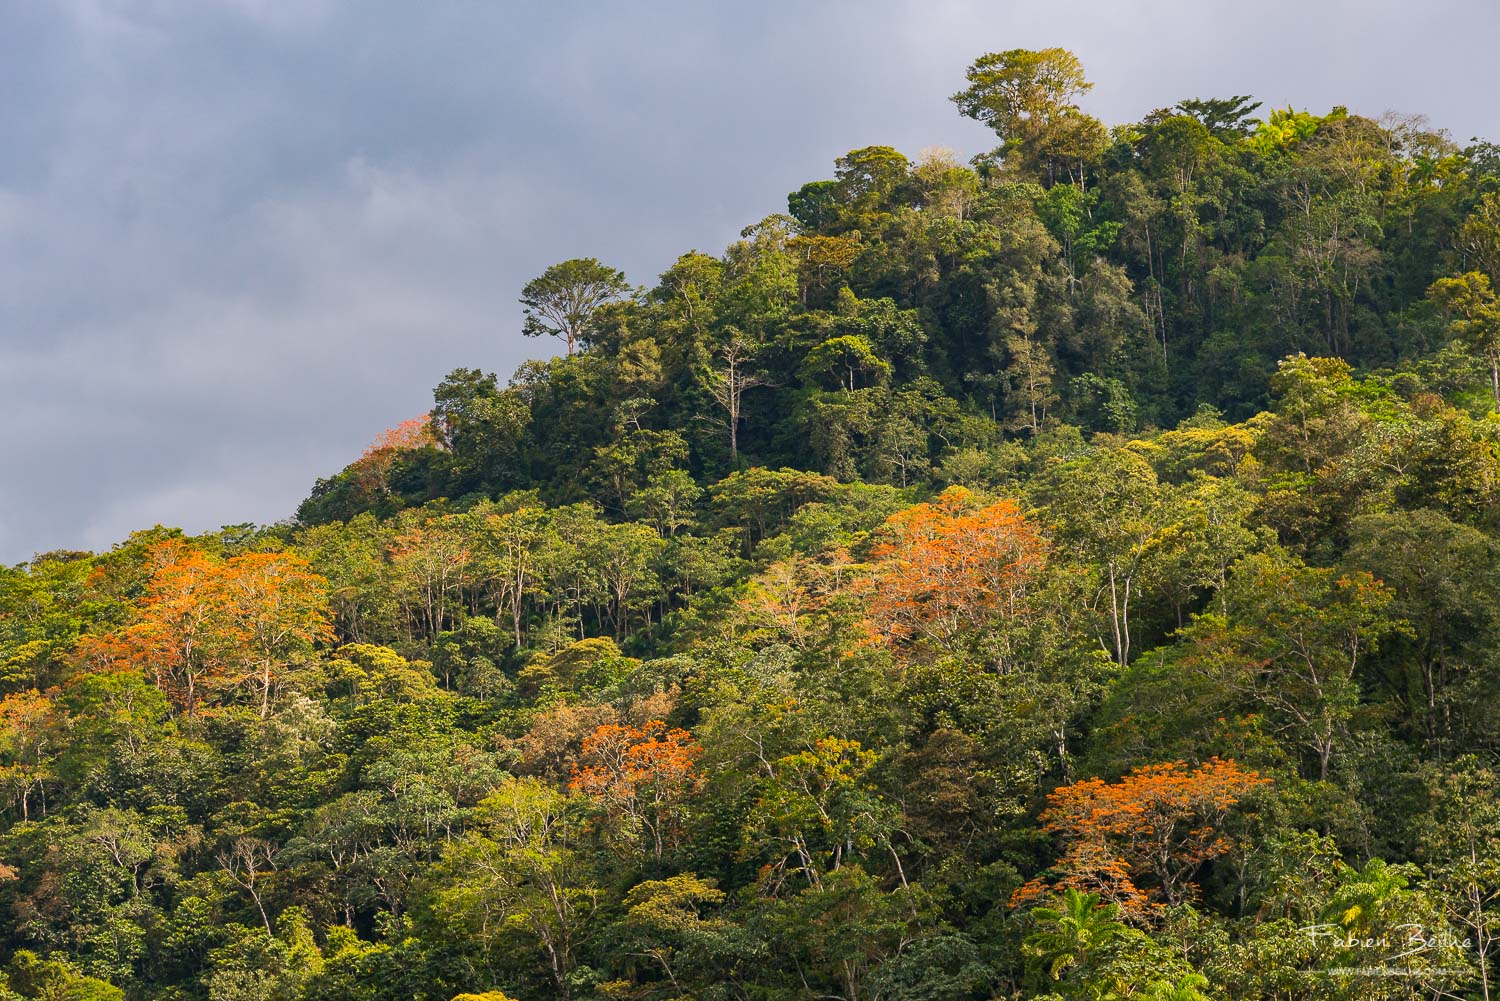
(1365, 896)
(1071, 934)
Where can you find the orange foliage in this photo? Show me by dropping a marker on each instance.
(415, 433)
(1161, 820)
(204, 621)
(948, 567)
(640, 775)
(27, 725)
(551, 747)
(373, 467)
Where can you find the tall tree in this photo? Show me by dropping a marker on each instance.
(727, 379)
(1028, 98)
(518, 872)
(207, 621)
(563, 300)
(944, 570)
(640, 777)
(1161, 822)
(1112, 513)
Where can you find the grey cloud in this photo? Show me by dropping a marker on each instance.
(239, 237)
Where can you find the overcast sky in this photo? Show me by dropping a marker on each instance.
(240, 237)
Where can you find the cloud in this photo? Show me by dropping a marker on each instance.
(357, 298)
(239, 237)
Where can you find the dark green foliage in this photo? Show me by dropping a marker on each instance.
(654, 673)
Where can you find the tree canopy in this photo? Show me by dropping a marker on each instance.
(1067, 575)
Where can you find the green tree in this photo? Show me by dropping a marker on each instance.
(1303, 633)
(848, 359)
(1028, 98)
(564, 299)
(1473, 312)
(519, 872)
(1071, 935)
(1460, 842)
(1110, 511)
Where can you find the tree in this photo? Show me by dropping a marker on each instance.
(513, 543)
(1069, 215)
(821, 262)
(352, 557)
(1028, 97)
(846, 358)
(518, 872)
(220, 622)
(1443, 578)
(851, 938)
(373, 468)
(27, 731)
(759, 499)
(666, 501)
(1072, 934)
(1110, 513)
(564, 299)
(1473, 312)
(816, 811)
(36, 977)
(1300, 634)
(816, 204)
(1209, 530)
(663, 923)
(640, 777)
(869, 175)
(943, 571)
(1028, 380)
(1162, 821)
(727, 380)
(1226, 117)
(625, 558)
(944, 186)
(1479, 237)
(246, 860)
(688, 290)
(1460, 840)
(280, 608)
(483, 428)
(431, 561)
(176, 639)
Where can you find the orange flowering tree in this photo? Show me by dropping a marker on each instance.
(641, 776)
(176, 639)
(206, 622)
(946, 568)
(27, 726)
(1160, 821)
(373, 467)
(276, 607)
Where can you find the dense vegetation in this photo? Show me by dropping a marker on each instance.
(1070, 575)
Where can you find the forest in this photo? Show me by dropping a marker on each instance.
(1070, 574)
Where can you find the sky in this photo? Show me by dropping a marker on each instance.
(238, 238)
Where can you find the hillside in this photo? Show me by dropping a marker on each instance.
(1069, 574)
